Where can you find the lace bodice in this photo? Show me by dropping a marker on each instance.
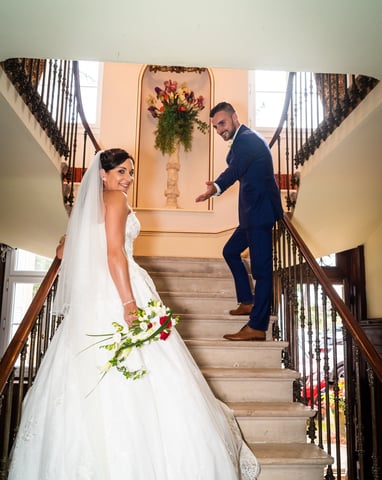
(133, 228)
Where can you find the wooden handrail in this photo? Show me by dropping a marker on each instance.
(351, 323)
(17, 343)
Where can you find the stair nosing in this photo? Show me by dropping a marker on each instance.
(240, 373)
(218, 316)
(203, 295)
(219, 343)
(187, 274)
(270, 409)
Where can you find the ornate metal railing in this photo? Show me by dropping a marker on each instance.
(340, 369)
(51, 90)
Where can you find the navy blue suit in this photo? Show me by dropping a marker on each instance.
(250, 162)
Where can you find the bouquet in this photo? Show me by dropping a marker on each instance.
(177, 114)
(153, 323)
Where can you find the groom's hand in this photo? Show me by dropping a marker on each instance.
(211, 190)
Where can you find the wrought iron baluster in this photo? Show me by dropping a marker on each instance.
(336, 392)
(375, 457)
(39, 339)
(59, 92)
(360, 434)
(6, 435)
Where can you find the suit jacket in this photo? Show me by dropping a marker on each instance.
(250, 162)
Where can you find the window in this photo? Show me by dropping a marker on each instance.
(29, 262)
(24, 273)
(90, 75)
(267, 91)
(327, 260)
(267, 95)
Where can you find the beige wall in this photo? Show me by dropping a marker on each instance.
(373, 266)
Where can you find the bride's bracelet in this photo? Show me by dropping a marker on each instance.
(128, 302)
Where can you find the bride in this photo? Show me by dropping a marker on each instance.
(77, 425)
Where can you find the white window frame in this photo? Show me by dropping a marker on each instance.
(98, 95)
(12, 278)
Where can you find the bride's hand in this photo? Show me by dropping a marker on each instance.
(130, 313)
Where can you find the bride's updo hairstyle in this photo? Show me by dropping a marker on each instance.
(113, 157)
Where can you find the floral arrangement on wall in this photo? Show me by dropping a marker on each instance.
(177, 110)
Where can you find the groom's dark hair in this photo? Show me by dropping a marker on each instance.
(227, 107)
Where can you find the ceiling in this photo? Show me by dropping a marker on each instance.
(341, 36)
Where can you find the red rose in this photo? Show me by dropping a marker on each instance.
(164, 335)
(163, 320)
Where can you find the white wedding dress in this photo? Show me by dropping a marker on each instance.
(166, 425)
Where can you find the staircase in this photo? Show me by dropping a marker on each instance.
(247, 376)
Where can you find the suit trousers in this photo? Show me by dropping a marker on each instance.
(259, 242)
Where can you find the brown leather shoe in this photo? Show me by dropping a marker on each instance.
(245, 334)
(242, 309)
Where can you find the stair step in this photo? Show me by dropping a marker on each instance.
(293, 461)
(193, 282)
(176, 265)
(272, 423)
(214, 326)
(223, 353)
(251, 384)
(198, 303)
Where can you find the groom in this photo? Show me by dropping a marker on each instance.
(250, 162)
